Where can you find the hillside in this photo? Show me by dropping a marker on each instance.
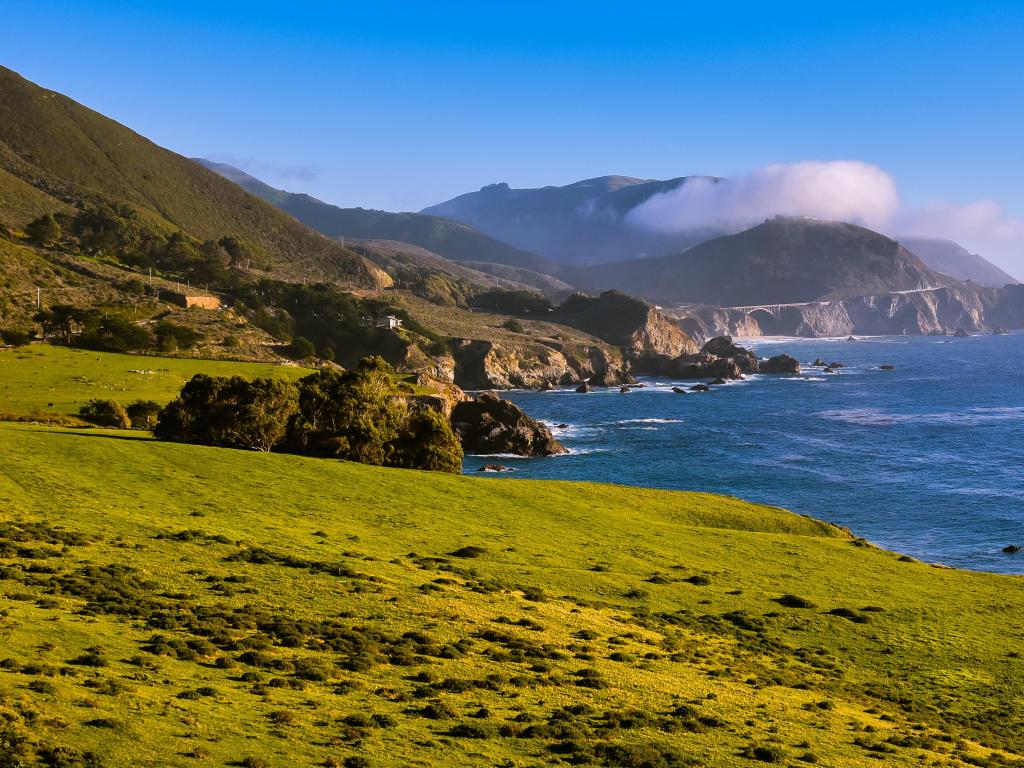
(779, 261)
(192, 604)
(444, 237)
(581, 223)
(57, 155)
(954, 260)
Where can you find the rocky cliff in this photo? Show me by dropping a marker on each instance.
(488, 425)
(935, 311)
(632, 325)
(479, 364)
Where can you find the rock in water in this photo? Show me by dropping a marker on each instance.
(780, 364)
(488, 425)
(961, 333)
(700, 388)
(679, 390)
(1012, 549)
(887, 367)
(623, 389)
(494, 468)
(584, 387)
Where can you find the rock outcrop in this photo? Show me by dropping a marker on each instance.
(531, 365)
(630, 324)
(489, 425)
(933, 311)
(721, 358)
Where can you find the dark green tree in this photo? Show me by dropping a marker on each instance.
(44, 231)
(105, 413)
(301, 348)
(427, 442)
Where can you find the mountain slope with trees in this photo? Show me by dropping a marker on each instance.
(57, 156)
(783, 260)
(447, 238)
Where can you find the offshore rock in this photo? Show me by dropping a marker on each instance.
(489, 425)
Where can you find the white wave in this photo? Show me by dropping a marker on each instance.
(877, 418)
(804, 378)
(648, 421)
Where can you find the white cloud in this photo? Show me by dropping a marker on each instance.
(843, 190)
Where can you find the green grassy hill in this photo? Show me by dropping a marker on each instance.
(63, 379)
(165, 604)
(56, 154)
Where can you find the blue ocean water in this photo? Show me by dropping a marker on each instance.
(926, 459)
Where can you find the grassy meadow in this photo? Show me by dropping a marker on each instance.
(63, 379)
(176, 605)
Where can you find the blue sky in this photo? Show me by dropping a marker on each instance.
(401, 105)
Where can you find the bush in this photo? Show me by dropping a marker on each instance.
(44, 231)
(514, 325)
(143, 413)
(170, 336)
(105, 413)
(301, 348)
(15, 336)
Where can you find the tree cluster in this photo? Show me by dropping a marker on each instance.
(120, 232)
(110, 330)
(358, 415)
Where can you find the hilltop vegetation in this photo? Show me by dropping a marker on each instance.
(265, 609)
(75, 159)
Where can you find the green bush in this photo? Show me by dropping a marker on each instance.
(105, 413)
(143, 413)
(15, 336)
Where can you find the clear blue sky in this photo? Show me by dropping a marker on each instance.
(401, 105)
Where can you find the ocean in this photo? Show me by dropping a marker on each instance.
(926, 459)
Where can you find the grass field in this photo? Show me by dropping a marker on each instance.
(166, 605)
(62, 379)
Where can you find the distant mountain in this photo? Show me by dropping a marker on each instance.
(581, 223)
(444, 237)
(783, 260)
(57, 156)
(954, 260)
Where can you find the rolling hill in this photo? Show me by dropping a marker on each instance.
(191, 605)
(444, 237)
(954, 260)
(57, 155)
(581, 223)
(782, 260)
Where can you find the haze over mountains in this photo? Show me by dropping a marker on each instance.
(581, 223)
(589, 222)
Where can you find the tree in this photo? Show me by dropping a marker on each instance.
(105, 413)
(44, 231)
(262, 412)
(428, 442)
(65, 319)
(229, 412)
(302, 348)
(15, 336)
(143, 413)
(171, 336)
(112, 333)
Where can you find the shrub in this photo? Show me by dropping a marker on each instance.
(301, 348)
(15, 336)
(514, 325)
(793, 601)
(143, 413)
(105, 413)
(170, 336)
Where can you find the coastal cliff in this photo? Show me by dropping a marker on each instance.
(933, 311)
(481, 364)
